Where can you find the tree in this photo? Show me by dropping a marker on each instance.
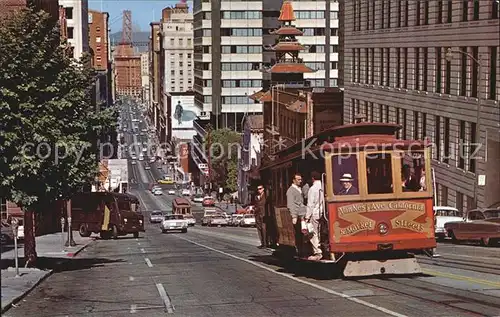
(48, 128)
(224, 149)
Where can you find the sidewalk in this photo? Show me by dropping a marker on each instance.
(49, 249)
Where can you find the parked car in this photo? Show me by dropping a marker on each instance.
(444, 214)
(156, 217)
(208, 201)
(235, 220)
(190, 219)
(208, 215)
(174, 222)
(481, 225)
(247, 221)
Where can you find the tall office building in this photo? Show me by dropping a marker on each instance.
(229, 57)
(432, 66)
(77, 19)
(177, 34)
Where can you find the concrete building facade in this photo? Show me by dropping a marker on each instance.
(177, 36)
(77, 19)
(432, 66)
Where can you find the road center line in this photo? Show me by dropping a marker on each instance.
(133, 309)
(165, 298)
(327, 290)
(148, 262)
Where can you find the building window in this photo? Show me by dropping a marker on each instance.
(447, 86)
(388, 67)
(473, 156)
(372, 66)
(465, 10)
(494, 9)
(449, 10)
(475, 75)
(398, 24)
(416, 126)
(358, 65)
(3, 208)
(426, 12)
(476, 10)
(438, 69)
(446, 137)
(353, 110)
(407, 9)
(69, 13)
(70, 32)
(463, 71)
(459, 201)
(398, 67)
(417, 17)
(439, 5)
(424, 125)
(382, 16)
(417, 67)
(405, 68)
(437, 137)
(367, 66)
(381, 77)
(424, 68)
(373, 14)
(493, 72)
(462, 146)
(404, 124)
(353, 64)
(389, 13)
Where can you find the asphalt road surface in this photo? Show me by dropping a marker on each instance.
(220, 272)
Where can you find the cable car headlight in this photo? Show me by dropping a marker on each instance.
(383, 228)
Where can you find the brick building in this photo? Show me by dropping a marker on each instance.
(431, 66)
(98, 39)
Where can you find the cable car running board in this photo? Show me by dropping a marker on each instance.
(380, 267)
(326, 261)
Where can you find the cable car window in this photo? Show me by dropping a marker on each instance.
(379, 173)
(413, 173)
(345, 174)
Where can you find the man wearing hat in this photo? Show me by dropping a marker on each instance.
(347, 188)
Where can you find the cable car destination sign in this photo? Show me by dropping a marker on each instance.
(355, 214)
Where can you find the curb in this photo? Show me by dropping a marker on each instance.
(49, 273)
(25, 293)
(74, 254)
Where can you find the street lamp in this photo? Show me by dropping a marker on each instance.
(449, 57)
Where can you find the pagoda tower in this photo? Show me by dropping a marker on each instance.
(289, 68)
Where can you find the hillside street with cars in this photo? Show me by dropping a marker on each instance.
(219, 271)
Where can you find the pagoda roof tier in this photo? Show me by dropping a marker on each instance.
(293, 68)
(261, 96)
(286, 12)
(287, 30)
(286, 46)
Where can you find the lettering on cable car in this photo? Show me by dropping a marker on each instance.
(353, 213)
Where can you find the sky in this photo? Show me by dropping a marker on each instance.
(143, 11)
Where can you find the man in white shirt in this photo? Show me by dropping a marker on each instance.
(315, 209)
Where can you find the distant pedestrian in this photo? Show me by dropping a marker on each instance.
(260, 212)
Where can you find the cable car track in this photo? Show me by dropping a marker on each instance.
(458, 264)
(401, 288)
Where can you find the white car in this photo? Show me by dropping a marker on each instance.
(171, 191)
(190, 219)
(147, 167)
(141, 158)
(134, 157)
(248, 221)
(174, 222)
(186, 192)
(158, 192)
(198, 199)
(134, 162)
(444, 214)
(152, 160)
